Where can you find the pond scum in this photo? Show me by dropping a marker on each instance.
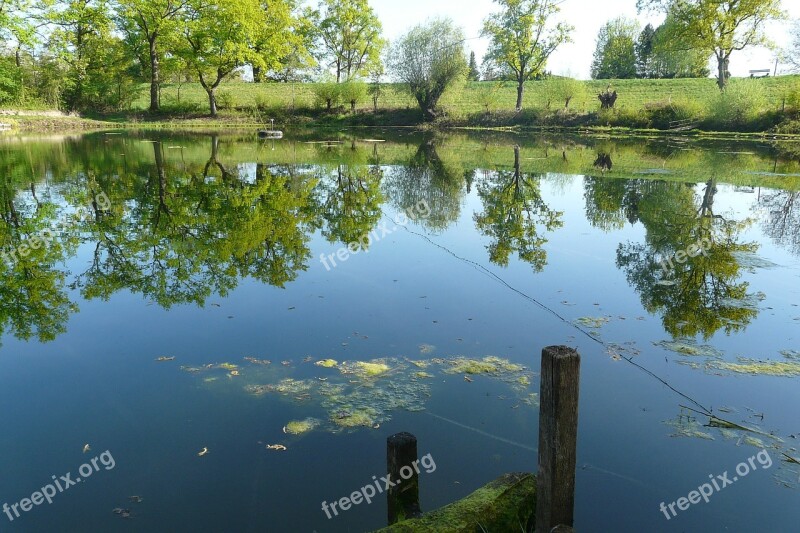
(364, 394)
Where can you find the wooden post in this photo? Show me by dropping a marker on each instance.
(558, 433)
(403, 498)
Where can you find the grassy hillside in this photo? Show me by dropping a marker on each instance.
(634, 94)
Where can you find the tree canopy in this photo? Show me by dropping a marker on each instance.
(615, 52)
(718, 27)
(429, 59)
(523, 35)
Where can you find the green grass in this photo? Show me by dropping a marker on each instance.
(634, 95)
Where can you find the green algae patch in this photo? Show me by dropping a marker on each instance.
(228, 366)
(286, 387)
(690, 347)
(592, 322)
(327, 363)
(786, 369)
(364, 417)
(423, 375)
(506, 504)
(371, 369)
(792, 355)
(488, 365)
(298, 427)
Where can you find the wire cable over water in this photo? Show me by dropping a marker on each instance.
(482, 269)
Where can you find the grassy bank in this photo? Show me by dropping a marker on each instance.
(750, 106)
(768, 104)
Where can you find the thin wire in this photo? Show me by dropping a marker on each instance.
(543, 306)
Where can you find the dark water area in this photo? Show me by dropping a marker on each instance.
(172, 300)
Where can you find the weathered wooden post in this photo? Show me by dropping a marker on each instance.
(558, 433)
(403, 498)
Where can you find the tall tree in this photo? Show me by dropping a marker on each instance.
(429, 59)
(474, 73)
(523, 37)
(792, 53)
(673, 59)
(719, 27)
(644, 51)
(615, 53)
(286, 36)
(218, 35)
(154, 21)
(350, 36)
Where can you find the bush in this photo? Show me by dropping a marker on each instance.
(562, 90)
(352, 92)
(667, 114)
(181, 108)
(225, 100)
(488, 93)
(739, 106)
(793, 100)
(326, 94)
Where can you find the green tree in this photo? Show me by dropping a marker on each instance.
(523, 37)
(155, 21)
(474, 73)
(350, 36)
(673, 59)
(615, 52)
(718, 27)
(283, 41)
(429, 59)
(218, 35)
(644, 52)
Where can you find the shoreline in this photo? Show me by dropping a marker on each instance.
(49, 123)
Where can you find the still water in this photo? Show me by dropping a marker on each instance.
(180, 302)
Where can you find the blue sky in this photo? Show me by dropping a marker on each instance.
(587, 17)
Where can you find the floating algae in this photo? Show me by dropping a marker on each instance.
(365, 370)
(690, 347)
(749, 301)
(792, 355)
(426, 349)
(365, 394)
(298, 427)
(286, 387)
(593, 322)
(488, 365)
(688, 427)
(759, 368)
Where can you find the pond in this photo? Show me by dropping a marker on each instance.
(217, 333)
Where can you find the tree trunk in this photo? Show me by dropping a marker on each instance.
(722, 71)
(257, 77)
(155, 76)
(520, 92)
(212, 102)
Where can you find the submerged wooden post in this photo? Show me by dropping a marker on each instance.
(403, 498)
(558, 434)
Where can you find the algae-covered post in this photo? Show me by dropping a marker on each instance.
(403, 464)
(558, 432)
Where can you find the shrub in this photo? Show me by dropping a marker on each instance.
(560, 90)
(668, 114)
(352, 92)
(739, 105)
(327, 94)
(487, 94)
(225, 100)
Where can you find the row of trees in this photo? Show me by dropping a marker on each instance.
(93, 54)
(82, 54)
(623, 52)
